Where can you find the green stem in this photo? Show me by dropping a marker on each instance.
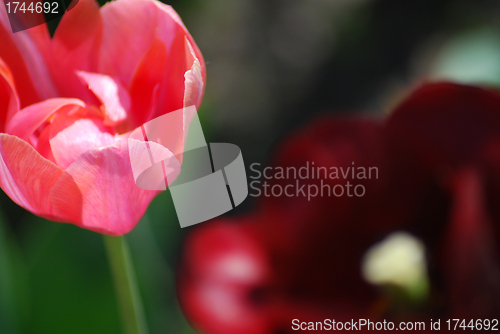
(125, 285)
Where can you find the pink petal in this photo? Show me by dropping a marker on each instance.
(9, 100)
(79, 26)
(43, 145)
(171, 95)
(23, 52)
(111, 93)
(164, 33)
(180, 61)
(25, 176)
(193, 84)
(143, 88)
(153, 165)
(108, 200)
(26, 121)
(129, 30)
(184, 77)
(168, 130)
(75, 47)
(71, 137)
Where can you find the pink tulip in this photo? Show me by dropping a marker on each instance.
(67, 105)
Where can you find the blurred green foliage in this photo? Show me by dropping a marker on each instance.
(54, 278)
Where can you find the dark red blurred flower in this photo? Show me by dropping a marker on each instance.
(451, 135)
(438, 160)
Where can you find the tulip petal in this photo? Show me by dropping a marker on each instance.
(108, 200)
(223, 264)
(26, 121)
(470, 260)
(180, 44)
(193, 84)
(71, 137)
(183, 83)
(491, 170)
(471, 115)
(171, 95)
(75, 47)
(43, 145)
(139, 23)
(165, 34)
(23, 52)
(128, 32)
(148, 22)
(144, 155)
(148, 75)
(9, 100)
(79, 25)
(111, 93)
(26, 177)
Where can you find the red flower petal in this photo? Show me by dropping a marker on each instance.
(26, 121)
(111, 93)
(26, 176)
(108, 200)
(24, 53)
(470, 262)
(9, 100)
(446, 124)
(224, 266)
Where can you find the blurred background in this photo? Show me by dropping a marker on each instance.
(272, 65)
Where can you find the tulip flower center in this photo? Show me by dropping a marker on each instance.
(71, 132)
